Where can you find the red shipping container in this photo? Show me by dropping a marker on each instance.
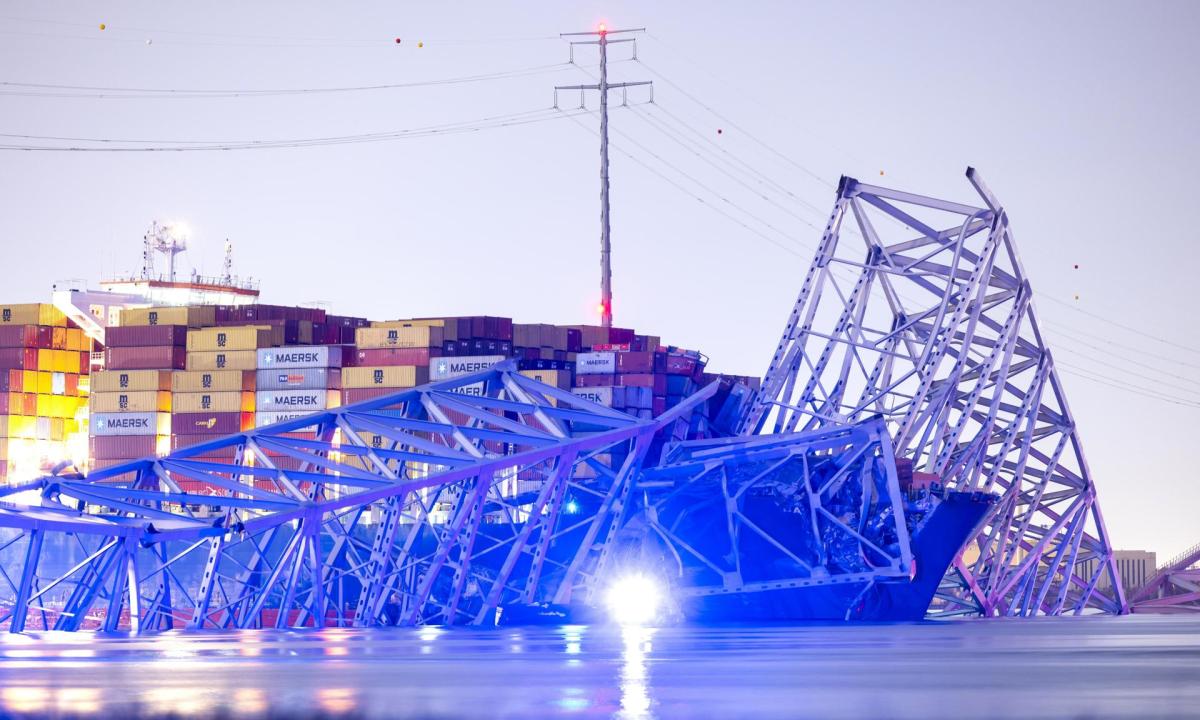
(595, 380)
(18, 336)
(104, 463)
(395, 356)
(45, 338)
(122, 446)
(11, 380)
(659, 405)
(160, 357)
(635, 362)
(146, 336)
(221, 423)
(18, 358)
(680, 365)
(657, 382)
(72, 385)
(357, 395)
(180, 442)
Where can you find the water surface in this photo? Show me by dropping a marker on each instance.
(1135, 667)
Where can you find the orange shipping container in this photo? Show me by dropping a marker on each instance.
(32, 314)
(248, 337)
(192, 316)
(145, 401)
(214, 402)
(130, 380)
(390, 376)
(231, 360)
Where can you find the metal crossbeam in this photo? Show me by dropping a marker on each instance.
(923, 313)
(429, 505)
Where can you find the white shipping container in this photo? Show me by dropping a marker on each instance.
(599, 395)
(444, 368)
(475, 389)
(262, 419)
(316, 356)
(291, 400)
(300, 379)
(595, 363)
(143, 423)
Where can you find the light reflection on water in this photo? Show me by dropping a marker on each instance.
(1081, 667)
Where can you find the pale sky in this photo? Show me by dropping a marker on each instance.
(1082, 117)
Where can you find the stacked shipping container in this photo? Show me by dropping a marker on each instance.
(44, 366)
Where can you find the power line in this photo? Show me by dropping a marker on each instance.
(1123, 386)
(691, 194)
(1143, 333)
(1059, 329)
(1128, 360)
(185, 146)
(123, 93)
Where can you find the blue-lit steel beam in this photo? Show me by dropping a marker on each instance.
(425, 506)
(938, 334)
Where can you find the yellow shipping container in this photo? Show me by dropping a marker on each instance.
(58, 406)
(408, 335)
(248, 337)
(231, 360)
(214, 402)
(18, 426)
(392, 376)
(45, 383)
(32, 314)
(133, 401)
(212, 381)
(192, 316)
(557, 378)
(129, 380)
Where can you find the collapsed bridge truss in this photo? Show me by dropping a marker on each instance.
(426, 506)
(919, 309)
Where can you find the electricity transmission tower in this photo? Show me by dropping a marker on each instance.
(603, 86)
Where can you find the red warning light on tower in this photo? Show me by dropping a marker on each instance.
(603, 28)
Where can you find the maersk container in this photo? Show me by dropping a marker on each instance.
(222, 423)
(317, 356)
(140, 423)
(599, 395)
(146, 336)
(300, 379)
(595, 363)
(262, 419)
(132, 380)
(215, 402)
(213, 381)
(445, 368)
(224, 360)
(294, 400)
(157, 357)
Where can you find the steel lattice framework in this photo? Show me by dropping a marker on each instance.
(840, 482)
(922, 312)
(1175, 588)
(434, 505)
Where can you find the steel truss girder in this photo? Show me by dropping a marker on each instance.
(439, 504)
(839, 481)
(938, 333)
(1175, 588)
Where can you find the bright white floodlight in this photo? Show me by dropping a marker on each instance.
(633, 600)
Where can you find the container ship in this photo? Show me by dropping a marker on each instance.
(151, 364)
